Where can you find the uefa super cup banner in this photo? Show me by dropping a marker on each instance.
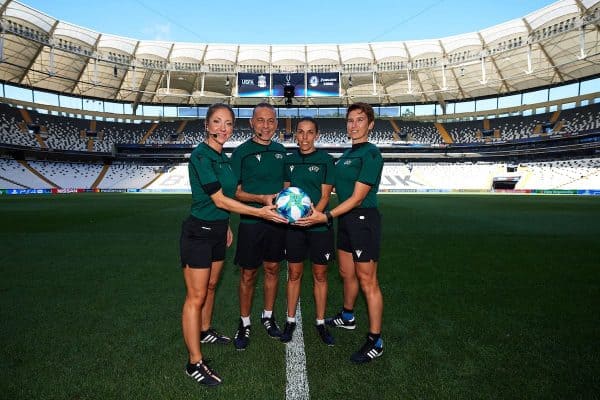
(323, 84)
(281, 81)
(317, 84)
(312, 84)
(254, 85)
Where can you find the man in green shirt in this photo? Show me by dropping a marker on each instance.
(258, 164)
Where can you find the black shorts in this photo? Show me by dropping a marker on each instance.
(202, 242)
(316, 245)
(259, 242)
(359, 233)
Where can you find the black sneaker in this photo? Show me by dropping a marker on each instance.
(288, 332)
(212, 336)
(271, 327)
(202, 374)
(368, 352)
(325, 335)
(242, 336)
(339, 322)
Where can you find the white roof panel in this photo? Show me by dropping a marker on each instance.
(188, 51)
(554, 59)
(254, 52)
(357, 51)
(76, 32)
(120, 43)
(551, 12)
(218, 52)
(37, 18)
(418, 48)
(453, 43)
(507, 29)
(589, 3)
(389, 50)
(293, 53)
(152, 48)
(322, 52)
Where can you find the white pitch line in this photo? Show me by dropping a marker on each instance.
(297, 380)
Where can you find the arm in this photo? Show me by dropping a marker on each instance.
(318, 217)
(358, 195)
(325, 196)
(226, 203)
(266, 199)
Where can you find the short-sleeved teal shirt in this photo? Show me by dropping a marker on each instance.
(361, 163)
(259, 169)
(207, 167)
(309, 172)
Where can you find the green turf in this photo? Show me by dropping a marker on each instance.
(485, 297)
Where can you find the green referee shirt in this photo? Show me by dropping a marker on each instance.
(259, 169)
(361, 163)
(309, 172)
(207, 168)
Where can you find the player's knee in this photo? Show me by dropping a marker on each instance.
(248, 277)
(294, 276)
(272, 269)
(212, 285)
(195, 298)
(368, 281)
(320, 277)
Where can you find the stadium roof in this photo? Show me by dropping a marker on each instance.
(558, 43)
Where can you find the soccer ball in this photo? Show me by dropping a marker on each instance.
(293, 203)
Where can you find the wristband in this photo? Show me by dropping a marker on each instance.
(329, 217)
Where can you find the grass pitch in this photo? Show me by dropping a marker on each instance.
(484, 297)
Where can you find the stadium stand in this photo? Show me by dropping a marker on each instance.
(68, 175)
(419, 132)
(581, 120)
(571, 174)
(64, 133)
(462, 176)
(13, 130)
(28, 129)
(469, 176)
(126, 176)
(16, 174)
(22, 174)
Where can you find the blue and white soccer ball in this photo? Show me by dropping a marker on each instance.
(293, 203)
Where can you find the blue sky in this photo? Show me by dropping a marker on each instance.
(285, 22)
